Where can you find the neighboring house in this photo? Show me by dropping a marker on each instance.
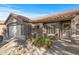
(58, 26)
(2, 27)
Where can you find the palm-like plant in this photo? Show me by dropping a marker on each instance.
(42, 41)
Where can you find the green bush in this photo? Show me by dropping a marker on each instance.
(42, 41)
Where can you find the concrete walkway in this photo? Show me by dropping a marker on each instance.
(63, 47)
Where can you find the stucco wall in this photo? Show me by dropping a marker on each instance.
(2, 26)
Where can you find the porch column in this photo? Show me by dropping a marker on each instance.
(57, 30)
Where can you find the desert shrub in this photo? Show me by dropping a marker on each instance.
(42, 41)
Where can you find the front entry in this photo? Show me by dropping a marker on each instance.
(66, 31)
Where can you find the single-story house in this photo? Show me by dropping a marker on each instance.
(17, 26)
(60, 26)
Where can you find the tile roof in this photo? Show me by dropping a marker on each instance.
(49, 18)
(18, 17)
(58, 17)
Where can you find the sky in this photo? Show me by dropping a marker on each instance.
(34, 10)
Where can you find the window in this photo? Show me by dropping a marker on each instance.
(77, 29)
(66, 30)
(66, 27)
(50, 28)
(22, 30)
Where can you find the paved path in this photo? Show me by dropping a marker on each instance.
(60, 47)
(63, 47)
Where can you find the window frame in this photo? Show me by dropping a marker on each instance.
(49, 29)
(63, 27)
(77, 29)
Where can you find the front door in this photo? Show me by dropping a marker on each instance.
(66, 32)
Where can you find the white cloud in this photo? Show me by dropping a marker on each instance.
(5, 11)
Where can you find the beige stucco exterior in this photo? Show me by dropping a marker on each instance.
(2, 27)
